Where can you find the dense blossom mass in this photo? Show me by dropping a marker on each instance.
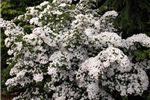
(72, 53)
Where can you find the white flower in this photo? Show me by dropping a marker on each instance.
(97, 24)
(44, 3)
(38, 77)
(31, 39)
(57, 12)
(89, 31)
(19, 46)
(10, 82)
(62, 4)
(93, 66)
(93, 91)
(35, 21)
(10, 52)
(143, 39)
(110, 13)
(42, 58)
(52, 71)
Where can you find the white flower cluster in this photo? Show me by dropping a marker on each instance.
(72, 53)
(56, 15)
(141, 39)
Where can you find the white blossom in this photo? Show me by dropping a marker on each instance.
(38, 77)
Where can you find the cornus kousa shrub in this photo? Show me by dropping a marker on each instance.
(72, 53)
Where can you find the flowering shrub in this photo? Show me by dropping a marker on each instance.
(72, 53)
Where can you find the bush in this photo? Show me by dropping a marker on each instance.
(73, 53)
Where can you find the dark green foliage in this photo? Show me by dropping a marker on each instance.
(4, 55)
(146, 95)
(26, 3)
(27, 29)
(124, 98)
(9, 11)
(13, 8)
(4, 76)
(142, 54)
(134, 15)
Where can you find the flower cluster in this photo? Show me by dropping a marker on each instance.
(72, 53)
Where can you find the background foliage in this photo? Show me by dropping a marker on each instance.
(134, 15)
